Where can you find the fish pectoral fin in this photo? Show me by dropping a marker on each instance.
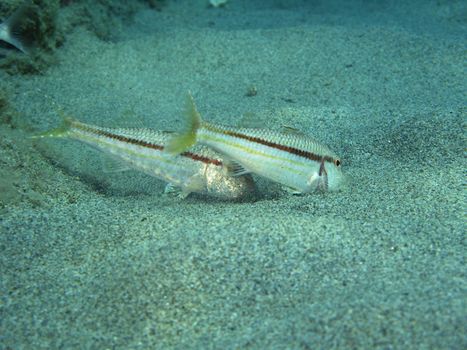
(172, 190)
(183, 194)
(234, 168)
(196, 183)
(313, 178)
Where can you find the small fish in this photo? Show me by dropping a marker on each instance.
(291, 159)
(199, 170)
(217, 3)
(12, 28)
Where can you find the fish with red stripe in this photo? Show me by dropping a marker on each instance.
(292, 159)
(199, 169)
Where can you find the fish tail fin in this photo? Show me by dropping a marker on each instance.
(15, 27)
(187, 138)
(61, 131)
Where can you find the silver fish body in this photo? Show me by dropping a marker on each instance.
(292, 159)
(199, 169)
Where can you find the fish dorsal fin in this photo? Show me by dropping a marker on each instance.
(287, 129)
(129, 119)
(250, 120)
(187, 137)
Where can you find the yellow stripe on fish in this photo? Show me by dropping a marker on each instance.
(294, 160)
(199, 169)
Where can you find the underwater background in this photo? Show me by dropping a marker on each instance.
(105, 260)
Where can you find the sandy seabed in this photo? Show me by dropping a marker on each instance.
(99, 260)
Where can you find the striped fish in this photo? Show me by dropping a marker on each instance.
(291, 159)
(199, 169)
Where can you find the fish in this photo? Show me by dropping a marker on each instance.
(197, 170)
(12, 29)
(292, 159)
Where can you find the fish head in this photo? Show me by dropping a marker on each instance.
(328, 176)
(332, 174)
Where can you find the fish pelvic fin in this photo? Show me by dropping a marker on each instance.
(181, 142)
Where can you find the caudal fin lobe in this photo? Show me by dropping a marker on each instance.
(187, 138)
(61, 131)
(13, 30)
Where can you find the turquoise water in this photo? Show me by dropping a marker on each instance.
(91, 259)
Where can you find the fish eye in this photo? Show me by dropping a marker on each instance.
(337, 162)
